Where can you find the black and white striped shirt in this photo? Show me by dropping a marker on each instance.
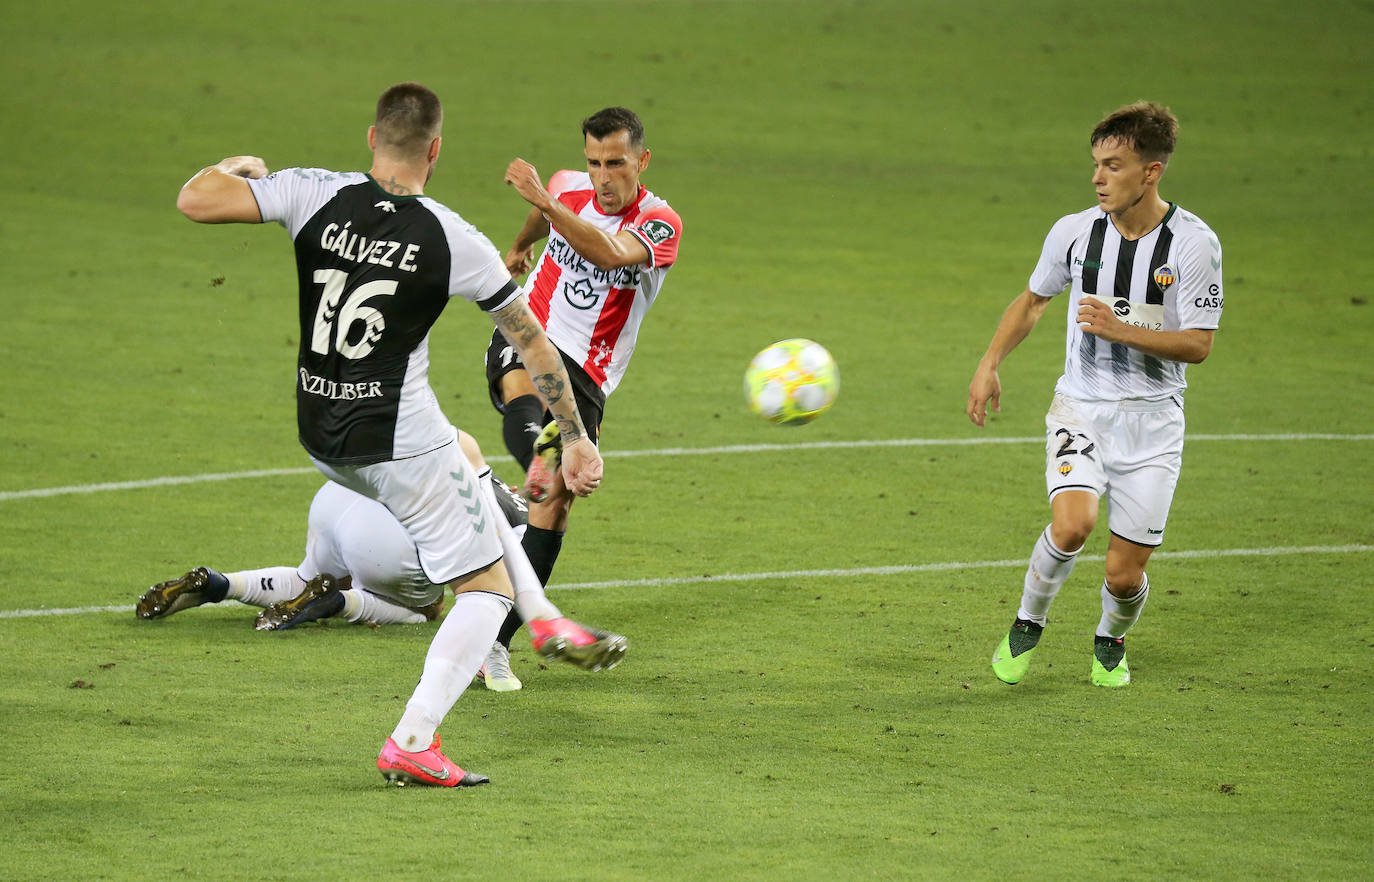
(1167, 280)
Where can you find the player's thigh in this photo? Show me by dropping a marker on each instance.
(1147, 457)
(438, 500)
(381, 557)
(507, 378)
(322, 553)
(1073, 452)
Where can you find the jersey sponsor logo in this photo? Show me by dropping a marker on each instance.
(1090, 264)
(580, 294)
(657, 231)
(312, 384)
(625, 277)
(1165, 276)
(1213, 300)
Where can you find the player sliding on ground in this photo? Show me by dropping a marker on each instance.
(361, 565)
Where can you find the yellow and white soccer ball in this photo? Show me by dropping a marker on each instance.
(792, 382)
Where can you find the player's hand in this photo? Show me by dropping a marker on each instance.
(243, 167)
(581, 467)
(986, 388)
(1097, 318)
(525, 179)
(519, 262)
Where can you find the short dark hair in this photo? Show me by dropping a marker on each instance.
(615, 119)
(409, 116)
(1149, 128)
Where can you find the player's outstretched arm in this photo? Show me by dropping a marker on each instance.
(592, 244)
(1017, 322)
(219, 194)
(520, 258)
(582, 465)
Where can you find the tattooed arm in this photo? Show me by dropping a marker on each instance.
(581, 461)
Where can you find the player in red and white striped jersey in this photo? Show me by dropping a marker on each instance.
(610, 245)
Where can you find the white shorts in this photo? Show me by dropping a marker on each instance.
(1129, 452)
(439, 501)
(356, 536)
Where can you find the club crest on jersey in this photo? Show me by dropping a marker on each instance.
(1065, 467)
(1165, 276)
(580, 294)
(657, 231)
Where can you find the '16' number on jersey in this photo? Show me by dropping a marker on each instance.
(353, 310)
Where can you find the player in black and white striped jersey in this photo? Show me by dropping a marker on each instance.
(377, 261)
(1144, 286)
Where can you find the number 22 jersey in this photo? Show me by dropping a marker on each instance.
(375, 271)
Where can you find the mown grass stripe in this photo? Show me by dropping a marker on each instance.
(895, 570)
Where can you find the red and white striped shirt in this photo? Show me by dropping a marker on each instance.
(590, 314)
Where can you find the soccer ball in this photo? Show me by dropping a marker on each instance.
(792, 382)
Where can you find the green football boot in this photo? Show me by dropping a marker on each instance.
(1013, 654)
(1109, 662)
(548, 459)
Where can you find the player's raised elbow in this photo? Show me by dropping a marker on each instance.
(194, 206)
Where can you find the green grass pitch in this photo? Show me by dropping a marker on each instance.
(808, 694)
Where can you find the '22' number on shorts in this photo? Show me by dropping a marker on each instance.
(1068, 449)
(344, 317)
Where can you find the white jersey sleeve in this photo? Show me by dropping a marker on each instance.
(1199, 298)
(476, 271)
(291, 196)
(1053, 274)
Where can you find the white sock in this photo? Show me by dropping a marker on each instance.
(364, 606)
(1048, 570)
(530, 600)
(265, 587)
(457, 651)
(1119, 615)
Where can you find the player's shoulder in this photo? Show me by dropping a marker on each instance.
(457, 230)
(654, 207)
(1184, 223)
(1071, 226)
(567, 181)
(313, 176)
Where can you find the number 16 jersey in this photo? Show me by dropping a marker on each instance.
(375, 271)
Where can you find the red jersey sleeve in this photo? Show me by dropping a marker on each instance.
(562, 181)
(660, 229)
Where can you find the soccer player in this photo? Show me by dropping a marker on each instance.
(359, 564)
(610, 245)
(377, 262)
(1145, 298)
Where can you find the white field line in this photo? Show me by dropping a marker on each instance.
(825, 574)
(11, 495)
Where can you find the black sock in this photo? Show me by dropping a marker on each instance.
(542, 547)
(509, 627)
(522, 422)
(216, 589)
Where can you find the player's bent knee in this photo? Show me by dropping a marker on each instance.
(1070, 534)
(1124, 578)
